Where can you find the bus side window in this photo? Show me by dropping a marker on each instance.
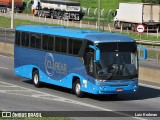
(76, 46)
(25, 39)
(58, 44)
(90, 62)
(45, 42)
(35, 41)
(51, 43)
(17, 38)
(64, 45)
(70, 46)
(38, 42)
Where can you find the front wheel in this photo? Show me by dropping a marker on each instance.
(35, 79)
(77, 88)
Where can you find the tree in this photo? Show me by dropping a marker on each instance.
(151, 1)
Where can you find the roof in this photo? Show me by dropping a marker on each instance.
(92, 35)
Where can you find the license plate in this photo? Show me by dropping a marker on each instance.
(119, 90)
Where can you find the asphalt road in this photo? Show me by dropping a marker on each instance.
(18, 94)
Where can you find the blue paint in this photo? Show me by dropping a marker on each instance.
(92, 35)
(97, 57)
(59, 69)
(144, 53)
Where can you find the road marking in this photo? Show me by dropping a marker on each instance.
(4, 68)
(62, 99)
(151, 86)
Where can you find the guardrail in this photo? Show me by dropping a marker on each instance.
(7, 40)
(143, 42)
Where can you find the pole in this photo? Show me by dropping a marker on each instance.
(99, 13)
(12, 15)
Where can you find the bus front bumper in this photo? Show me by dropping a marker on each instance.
(114, 87)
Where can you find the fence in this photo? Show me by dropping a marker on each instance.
(86, 24)
(7, 47)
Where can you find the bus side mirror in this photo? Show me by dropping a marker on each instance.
(144, 50)
(97, 53)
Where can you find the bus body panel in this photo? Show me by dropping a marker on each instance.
(59, 69)
(27, 59)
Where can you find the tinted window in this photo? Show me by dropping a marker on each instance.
(25, 39)
(45, 42)
(76, 46)
(17, 38)
(115, 47)
(35, 41)
(48, 42)
(64, 45)
(70, 45)
(51, 43)
(58, 44)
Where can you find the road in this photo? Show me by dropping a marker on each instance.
(18, 94)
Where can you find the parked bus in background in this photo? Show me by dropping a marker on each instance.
(83, 60)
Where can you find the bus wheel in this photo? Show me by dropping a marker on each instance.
(77, 88)
(35, 79)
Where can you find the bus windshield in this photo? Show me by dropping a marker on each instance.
(117, 61)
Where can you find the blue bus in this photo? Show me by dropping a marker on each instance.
(85, 61)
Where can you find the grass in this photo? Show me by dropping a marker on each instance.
(105, 4)
(5, 23)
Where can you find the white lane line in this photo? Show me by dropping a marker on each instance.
(4, 68)
(151, 86)
(61, 99)
(6, 56)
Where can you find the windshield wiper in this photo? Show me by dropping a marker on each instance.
(103, 72)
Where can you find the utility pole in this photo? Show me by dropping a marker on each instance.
(99, 13)
(12, 15)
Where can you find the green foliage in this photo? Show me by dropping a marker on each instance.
(151, 1)
(105, 4)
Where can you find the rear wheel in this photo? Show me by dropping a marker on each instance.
(5, 10)
(35, 79)
(77, 88)
(52, 16)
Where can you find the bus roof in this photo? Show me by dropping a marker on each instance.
(92, 35)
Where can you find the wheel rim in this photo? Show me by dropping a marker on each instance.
(36, 79)
(78, 88)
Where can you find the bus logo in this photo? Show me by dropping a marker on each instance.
(49, 60)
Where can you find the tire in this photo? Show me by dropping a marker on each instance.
(52, 17)
(39, 13)
(5, 10)
(77, 88)
(35, 79)
(133, 27)
(116, 25)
